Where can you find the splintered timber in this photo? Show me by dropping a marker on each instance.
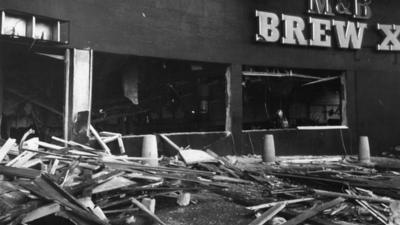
(324, 32)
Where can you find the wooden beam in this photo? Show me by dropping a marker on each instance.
(147, 211)
(98, 138)
(41, 212)
(174, 146)
(19, 172)
(269, 214)
(358, 197)
(313, 211)
(271, 204)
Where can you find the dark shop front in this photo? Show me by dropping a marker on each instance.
(219, 74)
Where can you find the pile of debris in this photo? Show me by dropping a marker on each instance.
(91, 186)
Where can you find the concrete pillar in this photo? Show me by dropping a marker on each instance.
(268, 155)
(234, 105)
(150, 149)
(364, 155)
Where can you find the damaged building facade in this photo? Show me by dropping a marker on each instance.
(315, 73)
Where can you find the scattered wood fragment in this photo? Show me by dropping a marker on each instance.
(271, 204)
(41, 212)
(50, 146)
(269, 214)
(358, 197)
(314, 211)
(21, 159)
(73, 143)
(19, 172)
(370, 209)
(230, 179)
(47, 189)
(98, 138)
(113, 184)
(6, 148)
(148, 212)
(174, 146)
(107, 183)
(150, 204)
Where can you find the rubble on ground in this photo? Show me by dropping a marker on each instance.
(92, 186)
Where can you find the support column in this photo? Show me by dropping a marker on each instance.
(234, 105)
(78, 96)
(1, 86)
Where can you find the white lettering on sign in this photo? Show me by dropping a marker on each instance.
(294, 28)
(268, 27)
(319, 36)
(322, 7)
(350, 37)
(318, 32)
(391, 41)
(362, 10)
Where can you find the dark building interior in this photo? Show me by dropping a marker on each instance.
(302, 97)
(33, 92)
(138, 95)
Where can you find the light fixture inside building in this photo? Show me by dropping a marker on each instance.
(15, 24)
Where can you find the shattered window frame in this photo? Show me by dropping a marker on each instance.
(282, 99)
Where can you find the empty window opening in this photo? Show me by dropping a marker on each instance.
(138, 95)
(33, 92)
(276, 98)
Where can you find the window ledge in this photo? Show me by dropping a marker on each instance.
(322, 127)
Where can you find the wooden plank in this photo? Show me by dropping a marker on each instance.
(314, 211)
(41, 212)
(131, 165)
(121, 145)
(110, 139)
(50, 146)
(271, 204)
(73, 143)
(47, 189)
(287, 213)
(269, 214)
(31, 163)
(98, 138)
(229, 167)
(174, 146)
(6, 148)
(193, 156)
(113, 184)
(230, 179)
(54, 166)
(358, 197)
(10, 197)
(19, 172)
(370, 209)
(21, 159)
(147, 211)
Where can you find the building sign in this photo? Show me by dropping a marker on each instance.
(323, 30)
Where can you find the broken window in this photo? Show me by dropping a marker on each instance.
(33, 92)
(137, 95)
(275, 98)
